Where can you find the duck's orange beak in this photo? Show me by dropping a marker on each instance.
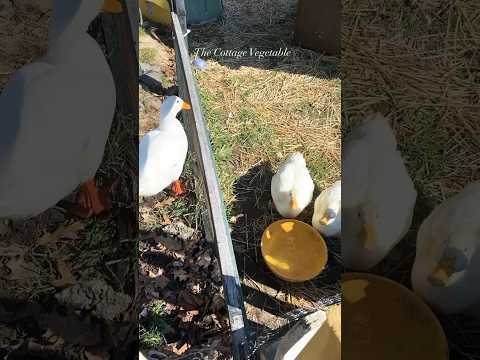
(367, 235)
(444, 270)
(324, 220)
(294, 202)
(186, 106)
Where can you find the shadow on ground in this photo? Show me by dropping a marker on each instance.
(266, 25)
(257, 26)
(253, 211)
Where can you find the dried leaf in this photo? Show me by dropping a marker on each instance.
(151, 273)
(180, 275)
(189, 315)
(218, 302)
(143, 313)
(216, 273)
(189, 301)
(204, 259)
(181, 350)
(13, 250)
(66, 276)
(166, 220)
(19, 270)
(161, 281)
(195, 288)
(91, 356)
(164, 203)
(63, 232)
(172, 244)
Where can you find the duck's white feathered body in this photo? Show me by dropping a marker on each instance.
(446, 272)
(292, 187)
(56, 116)
(327, 216)
(163, 151)
(379, 198)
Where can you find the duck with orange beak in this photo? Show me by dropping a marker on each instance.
(292, 187)
(163, 151)
(327, 216)
(58, 112)
(446, 271)
(379, 197)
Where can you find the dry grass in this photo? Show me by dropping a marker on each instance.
(258, 115)
(24, 34)
(258, 112)
(417, 62)
(262, 110)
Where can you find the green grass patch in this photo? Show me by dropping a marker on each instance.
(148, 55)
(153, 330)
(319, 169)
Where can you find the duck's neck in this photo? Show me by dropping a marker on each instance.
(170, 124)
(71, 19)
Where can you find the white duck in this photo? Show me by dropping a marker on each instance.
(292, 187)
(327, 216)
(379, 197)
(163, 151)
(56, 115)
(446, 272)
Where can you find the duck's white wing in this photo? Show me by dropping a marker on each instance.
(393, 194)
(161, 160)
(11, 107)
(335, 193)
(452, 225)
(52, 132)
(33, 158)
(355, 168)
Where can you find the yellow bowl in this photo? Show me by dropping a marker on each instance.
(385, 320)
(294, 251)
(156, 10)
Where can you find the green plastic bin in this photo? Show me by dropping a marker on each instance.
(203, 11)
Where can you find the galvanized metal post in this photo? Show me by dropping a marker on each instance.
(216, 224)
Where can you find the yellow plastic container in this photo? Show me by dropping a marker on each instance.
(293, 250)
(156, 11)
(385, 320)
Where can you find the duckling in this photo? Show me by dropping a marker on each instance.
(379, 198)
(292, 187)
(446, 271)
(327, 217)
(163, 151)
